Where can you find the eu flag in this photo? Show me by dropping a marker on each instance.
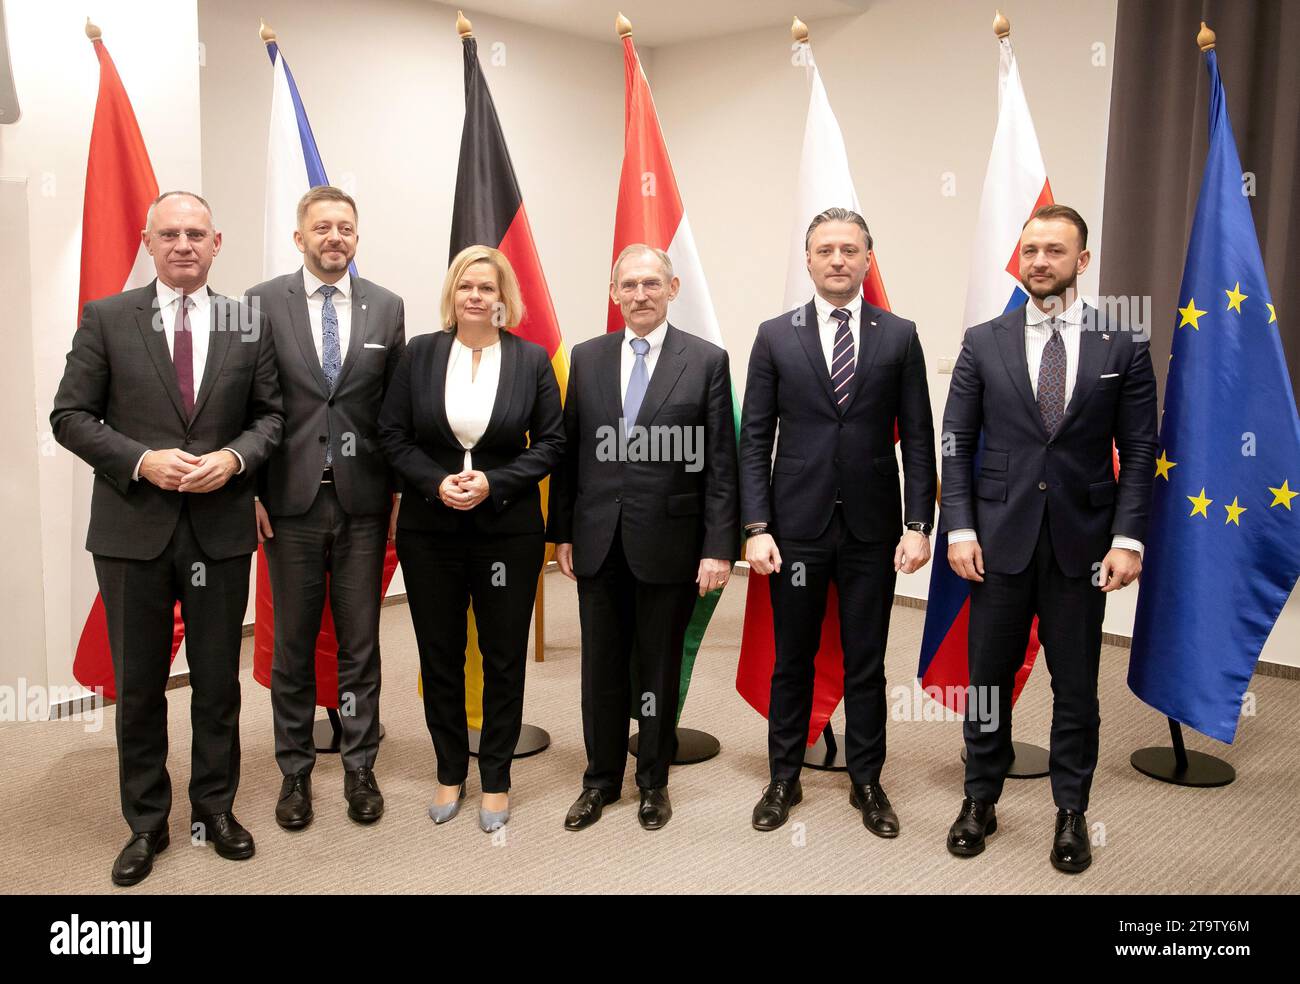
(1223, 547)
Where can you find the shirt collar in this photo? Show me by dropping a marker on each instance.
(167, 297)
(1073, 314)
(824, 308)
(655, 338)
(311, 283)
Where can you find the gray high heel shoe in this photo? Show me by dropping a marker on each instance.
(490, 821)
(441, 813)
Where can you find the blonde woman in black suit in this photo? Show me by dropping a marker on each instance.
(472, 424)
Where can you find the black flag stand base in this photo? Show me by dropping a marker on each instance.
(327, 734)
(1179, 766)
(826, 755)
(1029, 761)
(532, 740)
(692, 746)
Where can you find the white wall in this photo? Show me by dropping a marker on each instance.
(154, 45)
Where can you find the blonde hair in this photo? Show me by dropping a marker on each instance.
(507, 285)
(324, 193)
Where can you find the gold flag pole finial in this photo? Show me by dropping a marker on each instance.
(1205, 38)
(799, 31)
(92, 31)
(623, 26)
(1001, 26)
(266, 32)
(463, 27)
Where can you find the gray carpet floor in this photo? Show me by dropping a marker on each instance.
(60, 825)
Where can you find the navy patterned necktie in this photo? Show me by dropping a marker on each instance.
(1051, 380)
(331, 353)
(842, 359)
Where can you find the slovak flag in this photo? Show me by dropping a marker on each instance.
(1015, 185)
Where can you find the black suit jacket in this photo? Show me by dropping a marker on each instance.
(1024, 470)
(670, 517)
(362, 480)
(118, 398)
(523, 442)
(820, 449)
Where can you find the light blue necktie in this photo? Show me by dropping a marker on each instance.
(637, 384)
(331, 354)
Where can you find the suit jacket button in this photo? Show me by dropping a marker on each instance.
(1042, 486)
(330, 402)
(618, 498)
(322, 439)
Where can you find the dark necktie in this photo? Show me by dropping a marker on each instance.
(1051, 380)
(842, 360)
(183, 353)
(331, 353)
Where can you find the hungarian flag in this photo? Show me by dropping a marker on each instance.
(489, 211)
(824, 182)
(650, 211)
(120, 186)
(1015, 185)
(293, 167)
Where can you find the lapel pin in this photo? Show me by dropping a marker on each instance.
(1105, 338)
(363, 307)
(873, 324)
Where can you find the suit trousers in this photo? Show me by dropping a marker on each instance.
(139, 602)
(864, 577)
(632, 638)
(323, 552)
(1070, 612)
(444, 572)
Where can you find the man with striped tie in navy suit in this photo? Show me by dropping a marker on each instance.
(835, 375)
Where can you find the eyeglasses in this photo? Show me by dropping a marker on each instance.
(192, 235)
(651, 286)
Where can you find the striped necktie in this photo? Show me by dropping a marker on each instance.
(842, 360)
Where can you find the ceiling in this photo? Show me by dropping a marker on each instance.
(661, 22)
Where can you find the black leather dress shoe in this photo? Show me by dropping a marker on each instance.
(655, 810)
(224, 832)
(293, 811)
(877, 815)
(773, 808)
(586, 809)
(1071, 851)
(365, 801)
(976, 821)
(136, 860)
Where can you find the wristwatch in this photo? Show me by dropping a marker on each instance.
(922, 528)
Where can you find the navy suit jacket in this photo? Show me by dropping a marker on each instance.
(1024, 470)
(822, 450)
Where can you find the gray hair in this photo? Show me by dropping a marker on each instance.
(148, 220)
(643, 248)
(838, 214)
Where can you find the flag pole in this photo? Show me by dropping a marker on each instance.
(1176, 765)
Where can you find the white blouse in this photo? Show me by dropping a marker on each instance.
(470, 396)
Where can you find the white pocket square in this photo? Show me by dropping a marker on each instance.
(1109, 375)
(375, 345)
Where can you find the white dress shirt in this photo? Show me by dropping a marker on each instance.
(470, 396)
(827, 326)
(200, 332)
(342, 301)
(1038, 331)
(628, 361)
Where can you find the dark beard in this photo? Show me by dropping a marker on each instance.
(1056, 290)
